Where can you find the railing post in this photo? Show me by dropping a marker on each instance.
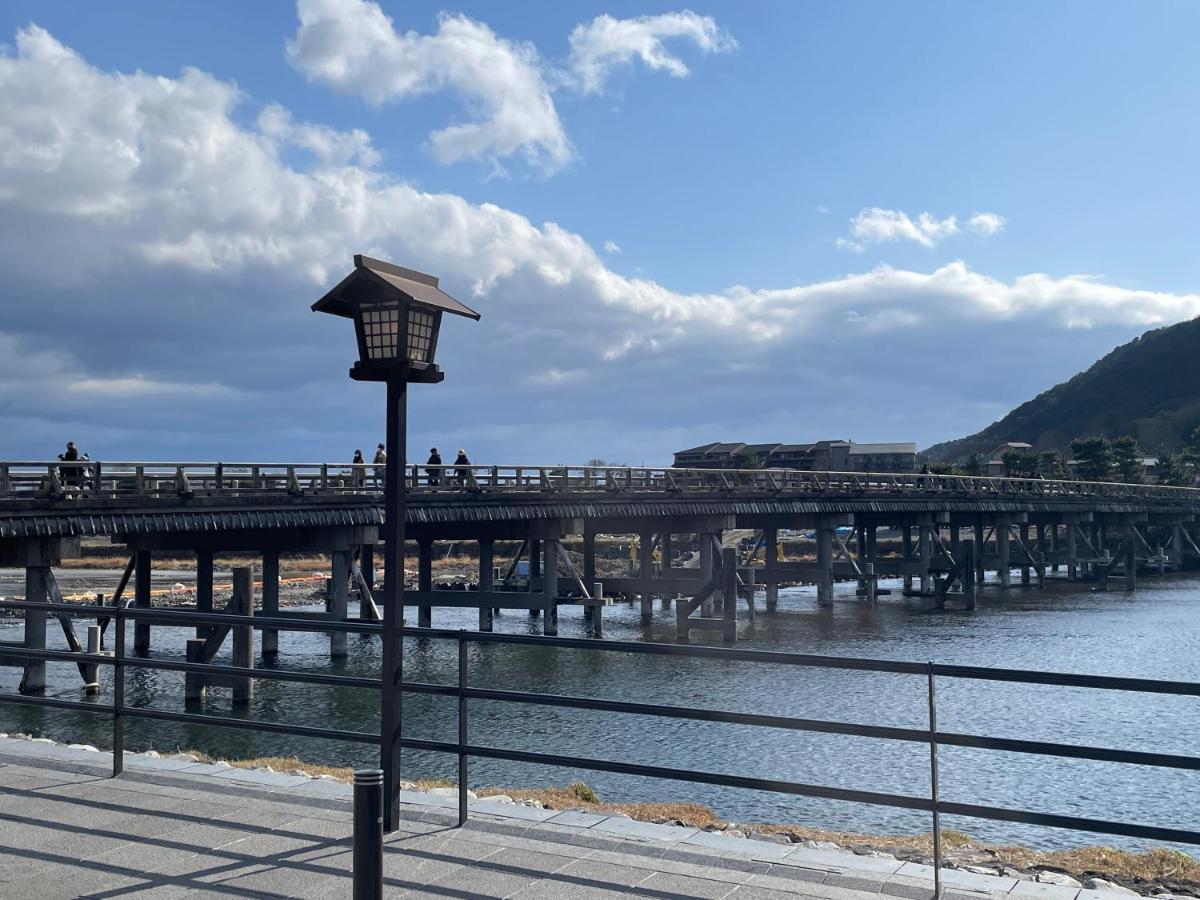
(368, 834)
(462, 728)
(933, 787)
(118, 742)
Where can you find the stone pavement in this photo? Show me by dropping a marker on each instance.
(170, 828)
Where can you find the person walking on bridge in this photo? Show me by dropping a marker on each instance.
(359, 475)
(380, 465)
(434, 474)
(70, 472)
(462, 474)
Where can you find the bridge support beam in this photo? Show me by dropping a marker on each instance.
(204, 586)
(270, 600)
(770, 576)
(1003, 551)
(141, 599)
(550, 588)
(339, 601)
(37, 590)
(487, 549)
(825, 530)
(424, 581)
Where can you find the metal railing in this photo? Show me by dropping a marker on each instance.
(931, 736)
(120, 660)
(463, 692)
(173, 480)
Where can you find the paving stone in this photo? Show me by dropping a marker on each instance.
(1039, 891)
(576, 819)
(686, 885)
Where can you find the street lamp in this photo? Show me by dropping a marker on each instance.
(397, 314)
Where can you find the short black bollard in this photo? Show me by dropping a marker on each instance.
(368, 834)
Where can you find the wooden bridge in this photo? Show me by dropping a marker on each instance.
(941, 534)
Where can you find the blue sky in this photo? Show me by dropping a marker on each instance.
(714, 222)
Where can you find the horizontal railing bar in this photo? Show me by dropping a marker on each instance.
(897, 667)
(887, 732)
(698, 652)
(1067, 679)
(702, 715)
(1073, 823)
(873, 798)
(142, 712)
(79, 705)
(67, 656)
(421, 687)
(289, 675)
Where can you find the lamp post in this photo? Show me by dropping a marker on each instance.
(397, 315)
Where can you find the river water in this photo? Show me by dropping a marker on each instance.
(1151, 633)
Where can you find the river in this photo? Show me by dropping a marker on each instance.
(1068, 628)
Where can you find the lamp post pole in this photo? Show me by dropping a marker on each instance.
(393, 597)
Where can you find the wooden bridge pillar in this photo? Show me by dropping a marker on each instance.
(1177, 540)
(925, 552)
(825, 530)
(906, 550)
(243, 635)
(589, 557)
(707, 567)
(270, 600)
(204, 586)
(424, 582)
(550, 588)
(1003, 551)
(1072, 552)
(37, 590)
(486, 556)
(969, 583)
(366, 564)
(645, 573)
(339, 601)
(141, 598)
(771, 576)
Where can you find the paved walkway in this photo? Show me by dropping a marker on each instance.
(169, 828)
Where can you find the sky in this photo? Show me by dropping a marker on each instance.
(769, 221)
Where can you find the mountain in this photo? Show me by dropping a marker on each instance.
(1149, 388)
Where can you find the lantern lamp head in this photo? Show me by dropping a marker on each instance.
(397, 314)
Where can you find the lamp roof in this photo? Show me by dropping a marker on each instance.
(415, 286)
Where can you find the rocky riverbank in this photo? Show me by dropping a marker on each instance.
(1160, 872)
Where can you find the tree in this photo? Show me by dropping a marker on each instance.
(1050, 465)
(1093, 458)
(1173, 470)
(1127, 458)
(1019, 463)
(1191, 451)
(943, 468)
(975, 465)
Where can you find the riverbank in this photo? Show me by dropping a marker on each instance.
(1158, 872)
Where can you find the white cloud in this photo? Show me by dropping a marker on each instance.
(612, 247)
(876, 226)
(600, 46)
(353, 46)
(327, 144)
(985, 224)
(161, 240)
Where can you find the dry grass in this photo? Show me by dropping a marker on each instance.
(1157, 866)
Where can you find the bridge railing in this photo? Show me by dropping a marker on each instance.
(135, 480)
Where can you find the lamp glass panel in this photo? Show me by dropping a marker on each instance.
(381, 329)
(420, 334)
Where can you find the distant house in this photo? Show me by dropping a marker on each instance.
(900, 457)
(995, 461)
(791, 456)
(821, 456)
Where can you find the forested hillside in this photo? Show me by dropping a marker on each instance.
(1148, 388)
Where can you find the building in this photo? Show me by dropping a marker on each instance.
(995, 460)
(821, 456)
(901, 457)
